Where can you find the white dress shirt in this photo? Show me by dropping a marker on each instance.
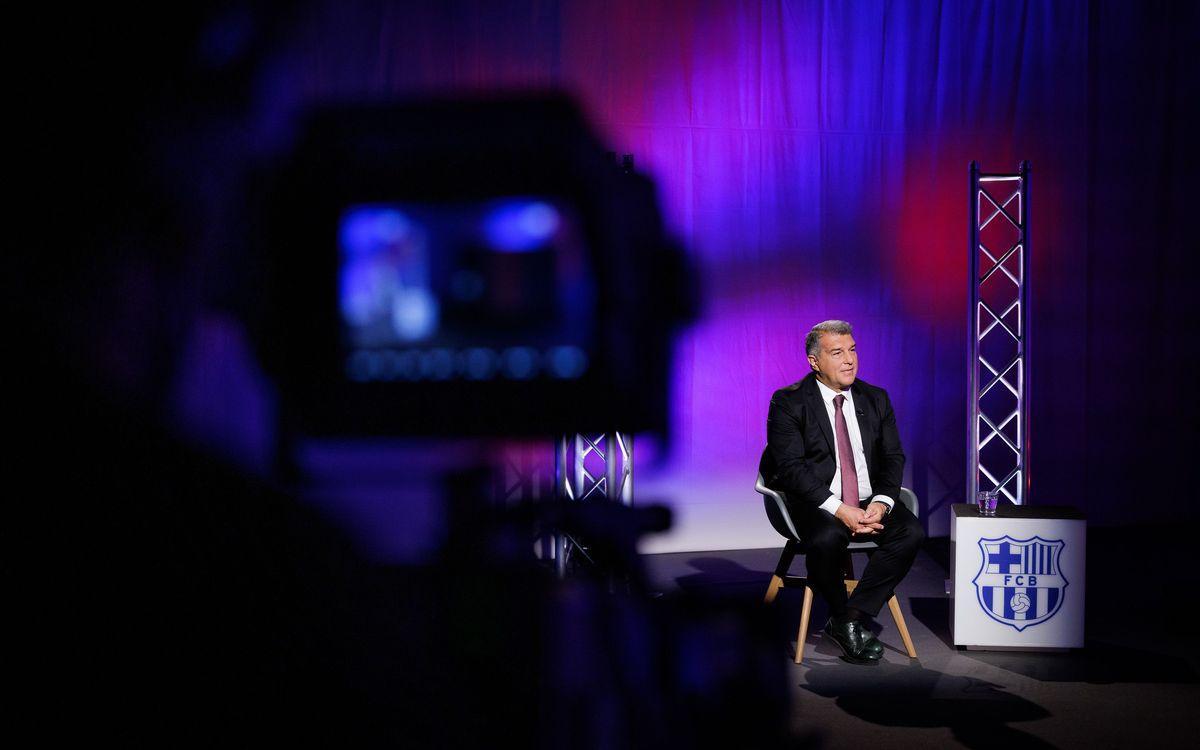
(860, 459)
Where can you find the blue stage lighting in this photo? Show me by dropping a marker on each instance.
(522, 225)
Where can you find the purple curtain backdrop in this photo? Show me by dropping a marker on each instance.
(812, 155)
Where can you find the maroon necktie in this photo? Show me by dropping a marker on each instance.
(845, 454)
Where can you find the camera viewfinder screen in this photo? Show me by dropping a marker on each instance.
(491, 290)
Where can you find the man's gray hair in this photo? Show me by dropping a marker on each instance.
(812, 342)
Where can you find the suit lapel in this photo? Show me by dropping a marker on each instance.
(866, 423)
(817, 405)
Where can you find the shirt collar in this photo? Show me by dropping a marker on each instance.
(828, 394)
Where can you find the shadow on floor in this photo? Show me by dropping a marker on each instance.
(711, 571)
(1098, 664)
(938, 550)
(979, 713)
(934, 613)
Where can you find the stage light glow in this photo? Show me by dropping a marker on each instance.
(384, 279)
(478, 363)
(365, 230)
(566, 361)
(518, 226)
(520, 362)
(408, 365)
(363, 366)
(437, 364)
(414, 313)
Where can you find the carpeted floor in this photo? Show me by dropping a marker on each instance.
(1136, 684)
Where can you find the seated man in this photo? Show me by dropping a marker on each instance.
(834, 452)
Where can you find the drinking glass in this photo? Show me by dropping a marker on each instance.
(986, 500)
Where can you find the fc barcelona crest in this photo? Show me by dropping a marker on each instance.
(1020, 581)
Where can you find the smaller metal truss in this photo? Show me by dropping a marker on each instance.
(590, 468)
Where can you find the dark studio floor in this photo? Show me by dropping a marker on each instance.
(1134, 685)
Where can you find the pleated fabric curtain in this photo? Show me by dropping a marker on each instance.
(812, 155)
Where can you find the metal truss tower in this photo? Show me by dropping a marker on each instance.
(591, 468)
(998, 333)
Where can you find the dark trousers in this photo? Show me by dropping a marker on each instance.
(825, 541)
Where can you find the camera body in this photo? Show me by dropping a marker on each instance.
(466, 268)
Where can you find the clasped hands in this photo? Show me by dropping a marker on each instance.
(859, 521)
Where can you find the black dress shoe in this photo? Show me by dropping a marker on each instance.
(872, 645)
(854, 640)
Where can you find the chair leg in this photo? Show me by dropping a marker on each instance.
(773, 589)
(805, 610)
(781, 570)
(894, 605)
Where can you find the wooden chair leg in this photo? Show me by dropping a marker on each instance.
(773, 589)
(781, 571)
(894, 605)
(804, 612)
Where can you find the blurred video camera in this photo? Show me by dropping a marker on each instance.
(466, 268)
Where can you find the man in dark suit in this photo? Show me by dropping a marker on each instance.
(834, 452)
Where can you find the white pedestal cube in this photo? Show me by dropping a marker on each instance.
(1017, 578)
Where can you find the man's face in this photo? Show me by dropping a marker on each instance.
(836, 364)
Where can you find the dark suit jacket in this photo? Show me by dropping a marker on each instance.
(801, 455)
